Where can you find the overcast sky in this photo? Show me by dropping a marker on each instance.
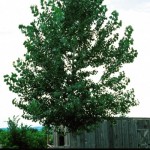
(131, 12)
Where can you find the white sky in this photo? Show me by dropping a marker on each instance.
(131, 12)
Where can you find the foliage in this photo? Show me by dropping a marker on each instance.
(4, 137)
(49, 132)
(22, 137)
(53, 80)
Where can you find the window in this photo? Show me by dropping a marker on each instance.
(61, 139)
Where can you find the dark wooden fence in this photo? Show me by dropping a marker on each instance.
(126, 133)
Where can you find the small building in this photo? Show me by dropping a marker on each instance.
(62, 140)
(125, 133)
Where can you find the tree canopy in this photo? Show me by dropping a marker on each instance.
(53, 81)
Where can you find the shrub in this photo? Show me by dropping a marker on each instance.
(22, 137)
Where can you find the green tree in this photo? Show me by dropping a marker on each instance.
(22, 137)
(52, 80)
(4, 141)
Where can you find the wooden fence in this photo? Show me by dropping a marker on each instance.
(125, 133)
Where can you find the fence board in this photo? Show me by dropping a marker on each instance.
(125, 137)
(105, 134)
(110, 134)
(143, 133)
(90, 139)
(98, 137)
(117, 139)
(73, 141)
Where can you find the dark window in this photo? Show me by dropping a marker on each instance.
(61, 140)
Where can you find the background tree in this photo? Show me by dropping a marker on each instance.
(22, 136)
(52, 80)
(4, 138)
